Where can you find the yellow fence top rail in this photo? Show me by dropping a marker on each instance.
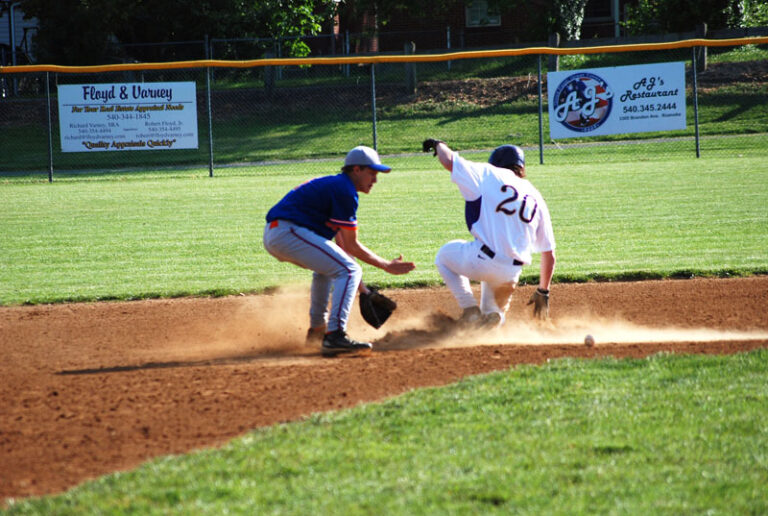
(411, 58)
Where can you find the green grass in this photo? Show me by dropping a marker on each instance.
(141, 235)
(662, 435)
(738, 54)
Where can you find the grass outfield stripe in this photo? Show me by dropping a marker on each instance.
(127, 237)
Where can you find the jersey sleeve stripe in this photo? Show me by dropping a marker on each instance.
(343, 223)
(337, 227)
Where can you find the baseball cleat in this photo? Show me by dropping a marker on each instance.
(337, 342)
(490, 321)
(315, 335)
(470, 316)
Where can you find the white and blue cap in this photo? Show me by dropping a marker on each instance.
(506, 156)
(365, 157)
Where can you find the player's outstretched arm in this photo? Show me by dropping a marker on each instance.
(347, 240)
(546, 269)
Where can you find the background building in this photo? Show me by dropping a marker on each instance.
(15, 31)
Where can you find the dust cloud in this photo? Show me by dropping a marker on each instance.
(275, 325)
(257, 326)
(438, 331)
(573, 331)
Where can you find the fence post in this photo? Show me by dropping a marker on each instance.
(50, 127)
(541, 116)
(208, 50)
(373, 105)
(269, 75)
(12, 41)
(448, 43)
(701, 62)
(410, 69)
(695, 103)
(554, 59)
(210, 120)
(208, 73)
(346, 52)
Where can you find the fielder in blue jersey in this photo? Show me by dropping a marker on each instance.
(315, 227)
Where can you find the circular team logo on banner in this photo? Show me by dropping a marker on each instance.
(583, 102)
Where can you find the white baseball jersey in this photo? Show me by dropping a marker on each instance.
(503, 211)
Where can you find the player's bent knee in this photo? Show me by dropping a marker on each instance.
(346, 269)
(351, 270)
(446, 253)
(503, 295)
(356, 272)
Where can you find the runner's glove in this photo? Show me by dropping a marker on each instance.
(430, 144)
(540, 301)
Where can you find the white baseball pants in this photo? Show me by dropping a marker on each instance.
(460, 261)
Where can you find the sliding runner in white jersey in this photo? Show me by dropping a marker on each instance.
(509, 220)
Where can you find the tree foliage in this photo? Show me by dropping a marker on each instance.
(665, 16)
(567, 17)
(748, 13)
(77, 32)
(67, 32)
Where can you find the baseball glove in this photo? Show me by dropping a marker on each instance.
(375, 307)
(430, 144)
(540, 301)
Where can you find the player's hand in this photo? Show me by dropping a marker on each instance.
(398, 266)
(430, 144)
(540, 301)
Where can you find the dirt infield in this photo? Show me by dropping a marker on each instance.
(91, 388)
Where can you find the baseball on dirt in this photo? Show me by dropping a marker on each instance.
(589, 341)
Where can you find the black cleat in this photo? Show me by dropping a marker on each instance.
(315, 336)
(490, 321)
(470, 317)
(337, 342)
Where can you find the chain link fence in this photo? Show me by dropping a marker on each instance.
(253, 114)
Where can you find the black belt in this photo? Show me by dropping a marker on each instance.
(487, 250)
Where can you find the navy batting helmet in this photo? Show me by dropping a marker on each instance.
(506, 156)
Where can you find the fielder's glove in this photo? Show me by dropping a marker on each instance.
(430, 144)
(540, 301)
(376, 307)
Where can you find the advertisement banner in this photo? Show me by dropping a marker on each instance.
(616, 100)
(127, 116)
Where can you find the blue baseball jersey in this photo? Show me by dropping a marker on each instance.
(323, 205)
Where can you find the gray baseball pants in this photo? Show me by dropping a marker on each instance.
(334, 270)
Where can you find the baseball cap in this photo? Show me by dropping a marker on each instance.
(506, 156)
(365, 157)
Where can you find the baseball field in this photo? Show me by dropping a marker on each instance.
(153, 355)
